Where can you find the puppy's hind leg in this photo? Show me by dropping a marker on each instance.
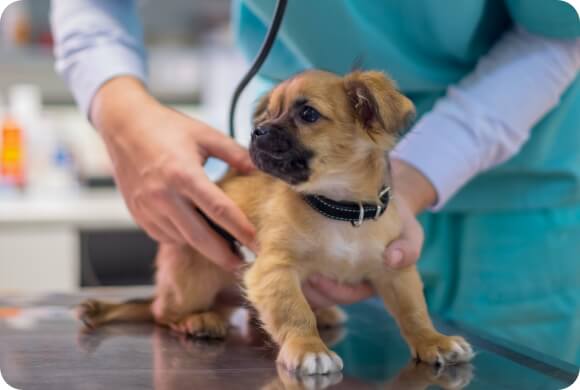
(95, 313)
(208, 324)
(187, 286)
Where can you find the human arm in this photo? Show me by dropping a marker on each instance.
(157, 153)
(482, 121)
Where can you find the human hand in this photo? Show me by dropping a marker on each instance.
(413, 193)
(321, 292)
(158, 156)
(406, 249)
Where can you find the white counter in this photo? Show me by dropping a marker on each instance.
(100, 209)
(40, 240)
(39, 235)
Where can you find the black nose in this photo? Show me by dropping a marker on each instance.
(272, 139)
(260, 131)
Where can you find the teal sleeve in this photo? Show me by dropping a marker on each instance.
(550, 18)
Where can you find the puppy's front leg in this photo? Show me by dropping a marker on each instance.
(402, 292)
(273, 287)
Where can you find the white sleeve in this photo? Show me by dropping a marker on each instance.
(487, 117)
(96, 40)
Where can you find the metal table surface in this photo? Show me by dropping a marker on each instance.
(43, 347)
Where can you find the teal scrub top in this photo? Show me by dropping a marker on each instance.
(425, 46)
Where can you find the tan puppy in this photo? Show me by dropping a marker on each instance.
(317, 133)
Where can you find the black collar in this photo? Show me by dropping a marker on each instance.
(352, 212)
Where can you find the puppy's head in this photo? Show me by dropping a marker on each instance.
(318, 124)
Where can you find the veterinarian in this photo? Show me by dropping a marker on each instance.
(494, 156)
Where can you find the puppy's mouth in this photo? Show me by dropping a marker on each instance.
(280, 154)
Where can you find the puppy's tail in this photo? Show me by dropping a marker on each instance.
(95, 313)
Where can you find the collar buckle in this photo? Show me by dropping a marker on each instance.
(361, 216)
(385, 191)
(378, 212)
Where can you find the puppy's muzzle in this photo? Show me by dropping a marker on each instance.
(271, 139)
(279, 153)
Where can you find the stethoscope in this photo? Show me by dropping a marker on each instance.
(258, 61)
(254, 69)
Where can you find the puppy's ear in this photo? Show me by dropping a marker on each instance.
(261, 108)
(376, 103)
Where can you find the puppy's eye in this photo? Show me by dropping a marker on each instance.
(309, 114)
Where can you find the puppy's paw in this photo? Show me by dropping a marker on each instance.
(330, 317)
(206, 325)
(455, 377)
(292, 381)
(441, 350)
(422, 375)
(91, 313)
(308, 356)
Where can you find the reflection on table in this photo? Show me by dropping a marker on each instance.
(44, 347)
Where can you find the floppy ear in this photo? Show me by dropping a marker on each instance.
(376, 103)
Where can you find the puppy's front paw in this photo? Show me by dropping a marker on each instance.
(441, 350)
(455, 377)
(292, 381)
(422, 375)
(308, 356)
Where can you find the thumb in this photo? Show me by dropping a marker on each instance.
(223, 147)
(401, 253)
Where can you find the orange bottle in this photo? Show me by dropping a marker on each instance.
(12, 154)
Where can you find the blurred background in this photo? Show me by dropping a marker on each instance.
(62, 223)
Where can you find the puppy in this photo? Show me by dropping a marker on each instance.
(321, 204)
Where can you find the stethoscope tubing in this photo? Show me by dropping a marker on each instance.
(258, 61)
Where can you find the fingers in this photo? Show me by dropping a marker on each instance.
(155, 232)
(217, 206)
(315, 298)
(200, 236)
(406, 250)
(150, 225)
(226, 149)
(328, 292)
(163, 225)
(168, 218)
(400, 254)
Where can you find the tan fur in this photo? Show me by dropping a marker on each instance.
(296, 241)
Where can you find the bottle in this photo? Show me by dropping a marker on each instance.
(25, 102)
(2, 117)
(12, 155)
